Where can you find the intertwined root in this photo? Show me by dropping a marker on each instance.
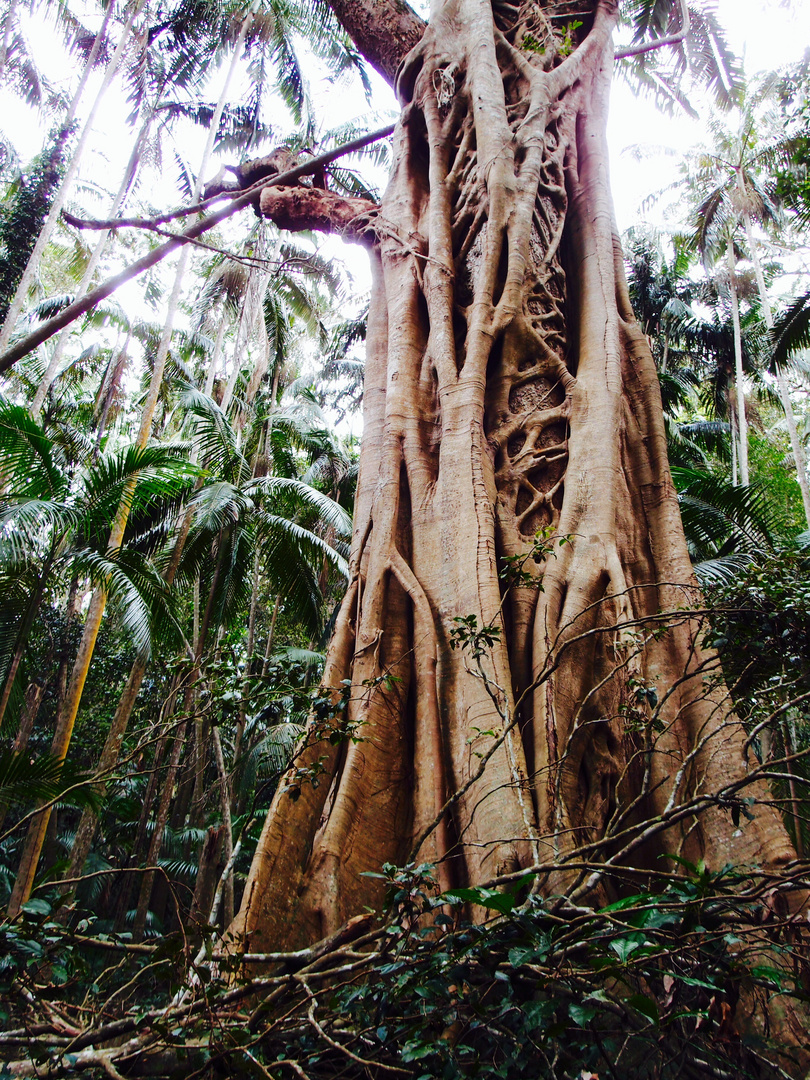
(508, 397)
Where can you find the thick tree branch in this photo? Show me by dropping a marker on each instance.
(89, 300)
(299, 208)
(384, 31)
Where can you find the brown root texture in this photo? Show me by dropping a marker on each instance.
(512, 419)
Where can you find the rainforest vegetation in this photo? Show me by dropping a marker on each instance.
(408, 678)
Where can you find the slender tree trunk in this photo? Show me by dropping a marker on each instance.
(270, 636)
(251, 639)
(90, 271)
(90, 64)
(148, 878)
(34, 693)
(139, 847)
(510, 395)
(8, 28)
(795, 800)
(251, 311)
(112, 745)
(17, 303)
(147, 881)
(236, 356)
(109, 759)
(111, 385)
(742, 420)
(211, 373)
(665, 357)
(225, 807)
(23, 635)
(208, 874)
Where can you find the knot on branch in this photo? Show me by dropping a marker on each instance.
(304, 208)
(444, 83)
(247, 174)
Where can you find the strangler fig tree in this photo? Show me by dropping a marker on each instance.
(513, 479)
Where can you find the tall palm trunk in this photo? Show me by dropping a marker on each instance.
(118, 729)
(251, 638)
(8, 26)
(742, 420)
(251, 310)
(784, 390)
(16, 305)
(92, 266)
(214, 363)
(148, 878)
(39, 824)
(32, 700)
(225, 806)
(115, 737)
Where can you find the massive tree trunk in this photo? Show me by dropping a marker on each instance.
(510, 398)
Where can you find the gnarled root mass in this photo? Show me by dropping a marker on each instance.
(511, 404)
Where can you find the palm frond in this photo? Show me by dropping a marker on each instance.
(720, 519)
(331, 513)
(30, 463)
(721, 570)
(791, 333)
(43, 779)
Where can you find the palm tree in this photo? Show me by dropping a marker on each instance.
(95, 612)
(245, 520)
(730, 187)
(55, 513)
(42, 515)
(237, 515)
(58, 199)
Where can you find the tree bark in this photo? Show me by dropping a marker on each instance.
(510, 397)
(383, 30)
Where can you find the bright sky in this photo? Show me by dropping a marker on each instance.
(768, 34)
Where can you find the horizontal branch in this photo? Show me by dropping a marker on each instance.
(89, 300)
(659, 43)
(98, 224)
(303, 208)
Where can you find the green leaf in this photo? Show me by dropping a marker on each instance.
(493, 899)
(522, 955)
(37, 907)
(770, 974)
(625, 947)
(538, 1013)
(646, 1006)
(581, 1014)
